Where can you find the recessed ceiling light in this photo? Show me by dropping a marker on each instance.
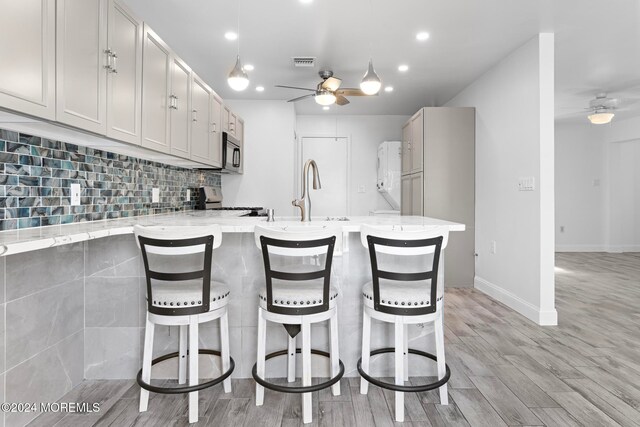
(422, 36)
(248, 67)
(260, 88)
(230, 35)
(388, 89)
(306, 1)
(325, 108)
(403, 68)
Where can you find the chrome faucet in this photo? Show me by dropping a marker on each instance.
(304, 203)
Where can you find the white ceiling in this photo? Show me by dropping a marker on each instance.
(597, 45)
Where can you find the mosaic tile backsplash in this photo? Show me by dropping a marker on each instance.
(36, 176)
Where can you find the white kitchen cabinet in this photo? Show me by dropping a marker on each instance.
(417, 195)
(180, 108)
(239, 134)
(232, 124)
(124, 75)
(205, 131)
(27, 45)
(226, 115)
(406, 148)
(406, 196)
(417, 141)
(81, 60)
(156, 75)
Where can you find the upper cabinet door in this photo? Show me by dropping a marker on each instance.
(27, 43)
(216, 132)
(181, 114)
(232, 124)
(201, 135)
(81, 61)
(124, 75)
(417, 141)
(406, 148)
(239, 132)
(226, 115)
(156, 74)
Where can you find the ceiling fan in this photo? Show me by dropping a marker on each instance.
(328, 90)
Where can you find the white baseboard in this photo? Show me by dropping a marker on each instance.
(528, 310)
(598, 248)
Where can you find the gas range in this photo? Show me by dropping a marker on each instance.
(210, 198)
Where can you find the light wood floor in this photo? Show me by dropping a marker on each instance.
(505, 369)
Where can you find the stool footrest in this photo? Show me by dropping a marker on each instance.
(297, 389)
(404, 388)
(185, 389)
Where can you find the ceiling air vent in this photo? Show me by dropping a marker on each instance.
(304, 61)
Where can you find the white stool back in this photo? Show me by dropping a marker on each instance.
(174, 248)
(405, 241)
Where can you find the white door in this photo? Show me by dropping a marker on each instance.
(81, 76)
(27, 43)
(124, 75)
(332, 157)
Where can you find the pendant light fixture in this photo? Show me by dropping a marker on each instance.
(601, 117)
(370, 83)
(238, 79)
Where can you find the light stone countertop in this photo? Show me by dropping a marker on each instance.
(31, 239)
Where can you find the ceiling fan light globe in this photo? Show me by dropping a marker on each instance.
(238, 79)
(599, 118)
(370, 83)
(325, 98)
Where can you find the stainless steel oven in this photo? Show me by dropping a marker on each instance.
(231, 153)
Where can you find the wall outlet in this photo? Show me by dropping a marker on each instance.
(526, 183)
(562, 228)
(188, 195)
(155, 195)
(75, 194)
(596, 182)
(361, 189)
(493, 247)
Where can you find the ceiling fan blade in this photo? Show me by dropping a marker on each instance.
(352, 92)
(301, 97)
(341, 100)
(294, 87)
(332, 83)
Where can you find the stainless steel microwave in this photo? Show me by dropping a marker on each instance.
(231, 153)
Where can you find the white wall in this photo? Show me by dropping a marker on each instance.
(268, 178)
(366, 133)
(581, 187)
(514, 138)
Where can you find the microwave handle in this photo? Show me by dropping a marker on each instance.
(236, 157)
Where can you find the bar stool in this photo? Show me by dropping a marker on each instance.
(297, 295)
(404, 298)
(177, 262)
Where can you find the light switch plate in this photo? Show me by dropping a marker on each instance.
(75, 194)
(155, 195)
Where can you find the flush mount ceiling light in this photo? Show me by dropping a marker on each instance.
(370, 83)
(388, 89)
(422, 36)
(325, 97)
(238, 79)
(601, 117)
(260, 88)
(248, 67)
(230, 35)
(403, 68)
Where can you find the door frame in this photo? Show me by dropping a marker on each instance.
(299, 163)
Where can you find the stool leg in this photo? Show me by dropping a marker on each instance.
(366, 349)
(224, 348)
(399, 338)
(182, 356)
(406, 352)
(147, 355)
(291, 361)
(439, 334)
(193, 368)
(306, 371)
(262, 338)
(333, 352)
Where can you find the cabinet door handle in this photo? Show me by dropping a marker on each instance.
(114, 66)
(194, 115)
(173, 104)
(213, 128)
(108, 67)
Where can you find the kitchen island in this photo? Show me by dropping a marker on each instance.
(74, 301)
